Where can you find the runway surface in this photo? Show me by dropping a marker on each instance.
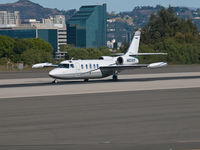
(44, 73)
(160, 119)
(12, 88)
(141, 111)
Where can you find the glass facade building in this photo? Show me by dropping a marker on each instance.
(26, 33)
(49, 35)
(87, 28)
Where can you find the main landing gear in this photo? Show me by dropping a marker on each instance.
(86, 80)
(115, 76)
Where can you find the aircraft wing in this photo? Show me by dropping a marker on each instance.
(123, 67)
(114, 68)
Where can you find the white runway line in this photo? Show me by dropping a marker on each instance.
(100, 87)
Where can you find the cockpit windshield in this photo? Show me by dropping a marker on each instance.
(63, 66)
(66, 66)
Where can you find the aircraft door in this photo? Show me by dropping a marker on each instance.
(78, 70)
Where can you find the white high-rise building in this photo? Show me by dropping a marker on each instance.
(58, 20)
(9, 18)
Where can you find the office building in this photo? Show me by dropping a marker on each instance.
(49, 35)
(87, 28)
(53, 32)
(54, 36)
(56, 21)
(9, 18)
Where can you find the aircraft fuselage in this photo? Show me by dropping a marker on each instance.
(81, 69)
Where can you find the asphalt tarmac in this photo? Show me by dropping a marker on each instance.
(44, 73)
(31, 87)
(157, 110)
(149, 120)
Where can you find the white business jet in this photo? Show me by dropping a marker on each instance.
(103, 67)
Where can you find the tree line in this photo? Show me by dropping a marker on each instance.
(167, 33)
(84, 53)
(32, 51)
(28, 51)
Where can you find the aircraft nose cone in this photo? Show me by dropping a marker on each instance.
(52, 73)
(55, 73)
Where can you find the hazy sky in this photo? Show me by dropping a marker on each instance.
(113, 5)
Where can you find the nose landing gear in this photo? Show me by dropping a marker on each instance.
(55, 81)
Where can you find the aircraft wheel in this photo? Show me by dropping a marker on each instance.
(115, 77)
(86, 80)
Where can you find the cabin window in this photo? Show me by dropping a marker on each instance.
(90, 66)
(97, 66)
(94, 66)
(63, 66)
(86, 66)
(71, 65)
(82, 66)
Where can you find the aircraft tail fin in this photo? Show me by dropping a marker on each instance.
(134, 46)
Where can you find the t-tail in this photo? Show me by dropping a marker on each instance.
(134, 47)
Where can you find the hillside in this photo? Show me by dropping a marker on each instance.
(122, 24)
(32, 10)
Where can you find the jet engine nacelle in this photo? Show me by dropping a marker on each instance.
(122, 60)
(106, 58)
(157, 65)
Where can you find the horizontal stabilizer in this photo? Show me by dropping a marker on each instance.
(118, 54)
(146, 54)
